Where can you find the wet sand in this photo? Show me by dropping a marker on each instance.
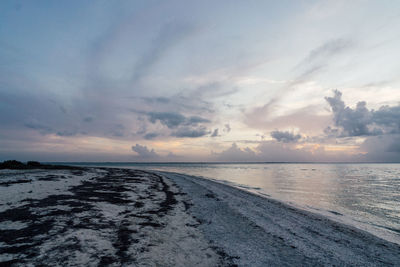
(122, 217)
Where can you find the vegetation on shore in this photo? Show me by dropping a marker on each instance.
(18, 165)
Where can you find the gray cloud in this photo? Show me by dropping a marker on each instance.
(150, 136)
(88, 119)
(285, 136)
(67, 133)
(170, 119)
(361, 121)
(173, 119)
(383, 148)
(43, 129)
(157, 100)
(328, 49)
(215, 133)
(272, 151)
(236, 154)
(193, 120)
(388, 117)
(190, 132)
(144, 153)
(227, 128)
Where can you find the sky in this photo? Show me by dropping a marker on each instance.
(175, 81)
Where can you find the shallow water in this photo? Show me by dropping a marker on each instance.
(365, 193)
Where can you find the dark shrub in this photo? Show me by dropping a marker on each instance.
(12, 164)
(33, 164)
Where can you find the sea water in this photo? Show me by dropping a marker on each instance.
(367, 194)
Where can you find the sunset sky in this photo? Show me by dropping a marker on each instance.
(200, 80)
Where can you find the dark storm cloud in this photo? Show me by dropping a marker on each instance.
(285, 136)
(360, 121)
(144, 152)
(190, 132)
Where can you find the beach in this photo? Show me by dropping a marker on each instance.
(125, 217)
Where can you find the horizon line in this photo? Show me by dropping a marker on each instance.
(220, 162)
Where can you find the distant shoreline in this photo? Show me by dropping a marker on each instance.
(155, 163)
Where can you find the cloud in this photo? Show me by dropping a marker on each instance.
(308, 68)
(306, 119)
(285, 136)
(236, 154)
(361, 121)
(67, 133)
(88, 119)
(328, 49)
(190, 132)
(388, 117)
(144, 153)
(175, 114)
(43, 129)
(157, 100)
(193, 120)
(383, 148)
(170, 119)
(170, 34)
(215, 133)
(272, 151)
(150, 136)
(173, 119)
(227, 128)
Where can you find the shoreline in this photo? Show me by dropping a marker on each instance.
(382, 232)
(120, 216)
(316, 236)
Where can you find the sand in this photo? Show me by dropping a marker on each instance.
(122, 217)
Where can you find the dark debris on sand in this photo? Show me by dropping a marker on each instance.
(115, 207)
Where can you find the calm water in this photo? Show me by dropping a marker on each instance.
(366, 194)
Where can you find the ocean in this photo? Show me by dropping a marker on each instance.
(363, 195)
